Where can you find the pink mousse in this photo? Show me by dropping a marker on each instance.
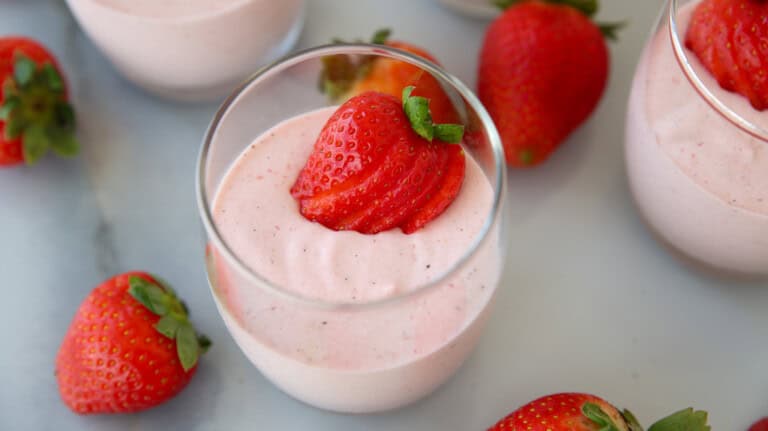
(372, 359)
(700, 182)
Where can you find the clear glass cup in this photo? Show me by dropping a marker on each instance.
(696, 156)
(198, 55)
(387, 352)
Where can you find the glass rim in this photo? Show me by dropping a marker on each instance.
(498, 183)
(698, 85)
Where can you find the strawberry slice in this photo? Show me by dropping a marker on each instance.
(728, 37)
(452, 177)
(377, 162)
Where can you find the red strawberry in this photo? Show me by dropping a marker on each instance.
(728, 36)
(761, 425)
(345, 76)
(584, 412)
(543, 69)
(34, 113)
(376, 166)
(130, 347)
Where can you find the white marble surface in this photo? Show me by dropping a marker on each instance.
(590, 302)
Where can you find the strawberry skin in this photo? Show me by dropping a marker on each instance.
(761, 425)
(345, 77)
(113, 359)
(371, 170)
(728, 37)
(585, 412)
(543, 70)
(34, 113)
(561, 412)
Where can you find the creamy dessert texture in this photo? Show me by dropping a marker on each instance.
(700, 182)
(190, 49)
(369, 359)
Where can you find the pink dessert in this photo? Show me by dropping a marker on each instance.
(386, 347)
(699, 181)
(190, 49)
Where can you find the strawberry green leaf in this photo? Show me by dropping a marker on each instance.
(64, 117)
(10, 104)
(35, 144)
(381, 36)
(149, 294)
(450, 133)
(599, 417)
(23, 70)
(15, 127)
(187, 346)
(53, 78)
(337, 76)
(684, 420)
(611, 29)
(167, 325)
(631, 420)
(174, 318)
(65, 145)
(417, 110)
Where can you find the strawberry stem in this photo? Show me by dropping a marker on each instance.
(417, 110)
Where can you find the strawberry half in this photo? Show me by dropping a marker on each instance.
(585, 412)
(130, 347)
(345, 76)
(380, 163)
(35, 115)
(728, 37)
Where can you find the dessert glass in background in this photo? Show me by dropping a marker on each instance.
(359, 323)
(474, 8)
(190, 50)
(697, 155)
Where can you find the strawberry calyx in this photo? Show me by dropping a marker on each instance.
(587, 7)
(687, 419)
(35, 109)
(417, 110)
(160, 299)
(340, 72)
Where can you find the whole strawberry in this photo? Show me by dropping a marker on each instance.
(35, 115)
(728, 37)
(584, 412)
(345, 76)
(381, 163)
(129, 347)
(543, 70)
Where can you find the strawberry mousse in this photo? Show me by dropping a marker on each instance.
(190, 49)
(343, 320)
(699, 181)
